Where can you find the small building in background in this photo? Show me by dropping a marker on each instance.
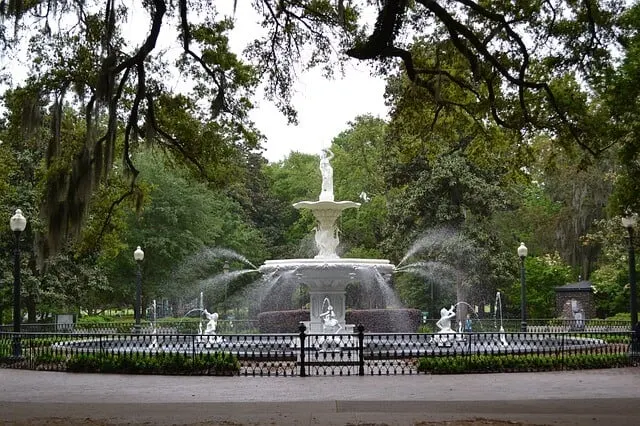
(575, 301)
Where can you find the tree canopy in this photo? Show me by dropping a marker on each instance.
(543, 65)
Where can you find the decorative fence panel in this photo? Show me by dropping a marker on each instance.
(314, 354)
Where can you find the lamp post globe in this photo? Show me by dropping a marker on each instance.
(17, 224)
(522, 254)
(629, 222)
(138, 255)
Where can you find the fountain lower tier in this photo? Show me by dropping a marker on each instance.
(327, 280)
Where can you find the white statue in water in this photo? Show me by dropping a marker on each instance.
(210, 330)
(444, 323)
(446, 335)
(327, 175)
(329, 320)
(213, 322)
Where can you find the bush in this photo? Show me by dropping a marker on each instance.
(282, 321)
(386, 320)
(93, 319)
(215, 364)
(518, 363)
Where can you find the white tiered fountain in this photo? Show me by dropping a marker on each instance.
(327, 275)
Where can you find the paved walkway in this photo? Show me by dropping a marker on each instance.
(603, 397)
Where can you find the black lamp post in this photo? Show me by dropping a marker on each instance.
(522, 253)
(629, 222)
(138, 255)
(17, 223)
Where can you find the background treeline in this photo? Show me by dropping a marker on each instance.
(554, 203)
(489, 141)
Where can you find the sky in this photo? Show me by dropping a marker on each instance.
(325, 107)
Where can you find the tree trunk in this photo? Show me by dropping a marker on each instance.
(30, 302)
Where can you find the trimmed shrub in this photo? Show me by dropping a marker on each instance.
(215, 364)
(282, 321)
(386, 320)
(518, 363)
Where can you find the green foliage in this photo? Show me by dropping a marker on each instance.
(182, 218)
(543, 275)
(93, 319)
(519, 363)
(215, 364)
(611, 276)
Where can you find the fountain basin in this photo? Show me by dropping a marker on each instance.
(327, 280)
(328, 269)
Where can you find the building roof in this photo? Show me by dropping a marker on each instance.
(579, 286)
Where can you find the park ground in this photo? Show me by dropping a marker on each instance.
(590, 397)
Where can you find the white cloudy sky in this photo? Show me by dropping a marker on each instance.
(324, 109)
(324, 106)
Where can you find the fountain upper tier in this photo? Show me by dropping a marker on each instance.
(327, 274)
(326, 214)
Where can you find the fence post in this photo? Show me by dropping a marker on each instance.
(563, 367)
(303, 371)
(360, 350)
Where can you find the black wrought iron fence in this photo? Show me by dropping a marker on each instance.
(493, 325)
(305, 354)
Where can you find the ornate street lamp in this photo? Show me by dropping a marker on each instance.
(629, 222)
(138, 255)
(17, 223)
(522, 254)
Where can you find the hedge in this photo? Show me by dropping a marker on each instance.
(215, 364)
(519, 363)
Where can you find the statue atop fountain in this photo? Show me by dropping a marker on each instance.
(326, 211)
(326, 194)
